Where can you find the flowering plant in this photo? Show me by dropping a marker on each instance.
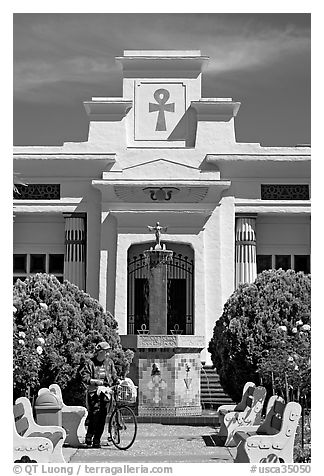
(26, 360)
(55, 327)
(262, 325)
(287, 364)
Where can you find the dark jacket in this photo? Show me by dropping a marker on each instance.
(89, 371)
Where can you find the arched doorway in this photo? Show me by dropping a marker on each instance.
(180, 289)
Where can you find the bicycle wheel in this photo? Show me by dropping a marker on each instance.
(123, 427)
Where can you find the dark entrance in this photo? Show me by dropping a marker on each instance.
(176, 304)
(180, 294)
(141, 303)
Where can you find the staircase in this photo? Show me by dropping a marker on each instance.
(211, 391)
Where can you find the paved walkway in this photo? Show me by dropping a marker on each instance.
(158, 443)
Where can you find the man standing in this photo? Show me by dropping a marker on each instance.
(99, 370)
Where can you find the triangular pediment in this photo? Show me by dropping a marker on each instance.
(161, 169)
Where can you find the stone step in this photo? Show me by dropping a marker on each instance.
(199, 420)
(211, 391)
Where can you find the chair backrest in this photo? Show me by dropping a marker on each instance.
(273, 420)
(21, 421)
(285, 418)
(256, 398)
(56, 389)
(28, 411)
(247, 392)
(271, 402)
(290, 418)
(276, 420)
(259, 395)
(255, 402)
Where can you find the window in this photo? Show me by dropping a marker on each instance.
(264, 262)
(37, 263)
(27, 264)
(20, 263)
(295, 262)
(283, 261)
(56, 264)
(302, 263)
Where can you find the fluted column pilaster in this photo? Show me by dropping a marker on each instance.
(74, 256)
(245, 250)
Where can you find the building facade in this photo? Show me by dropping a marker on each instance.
(162, 153)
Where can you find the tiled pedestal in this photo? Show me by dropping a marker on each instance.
(166, 369)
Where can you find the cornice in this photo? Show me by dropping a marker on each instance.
(162, 63)
(286, 154)
(108, 108)
(281, 207)
(215, 108)
(110, 157)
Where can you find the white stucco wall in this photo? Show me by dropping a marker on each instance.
(206, 154)
(278, 234)
(36, 233)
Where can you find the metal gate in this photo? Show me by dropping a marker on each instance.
(180, 272)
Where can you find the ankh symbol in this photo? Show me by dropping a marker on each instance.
(161, 96)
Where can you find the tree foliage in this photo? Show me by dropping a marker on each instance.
(264, 334)
(56, 326)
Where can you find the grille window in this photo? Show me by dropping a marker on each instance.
(284, 192)
(37, 191)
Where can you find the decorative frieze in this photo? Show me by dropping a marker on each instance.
(37, 191)
(156, 341)
(170, 341)
(161, 194)
(180, 194)
(284, 191)
(169, 412)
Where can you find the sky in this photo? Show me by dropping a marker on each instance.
(259, 59)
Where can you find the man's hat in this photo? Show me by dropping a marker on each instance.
(102, 346)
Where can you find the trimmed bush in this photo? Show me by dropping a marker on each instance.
(56, 326)
(263, 335)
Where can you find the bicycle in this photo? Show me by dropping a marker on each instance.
(122, 426)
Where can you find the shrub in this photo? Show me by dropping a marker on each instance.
(56, 326)
(263, 334)
(302, 446)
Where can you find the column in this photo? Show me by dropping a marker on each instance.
(245, 249)
(107, 265)
(157, 261)
(74, 257)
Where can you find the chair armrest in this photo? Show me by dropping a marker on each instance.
(231, 416)
(33, 427)
(261, 441)
(245, 420)
(226, 408)
(33, 443)
(34, 448)
(247, 429)
(74, 409)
